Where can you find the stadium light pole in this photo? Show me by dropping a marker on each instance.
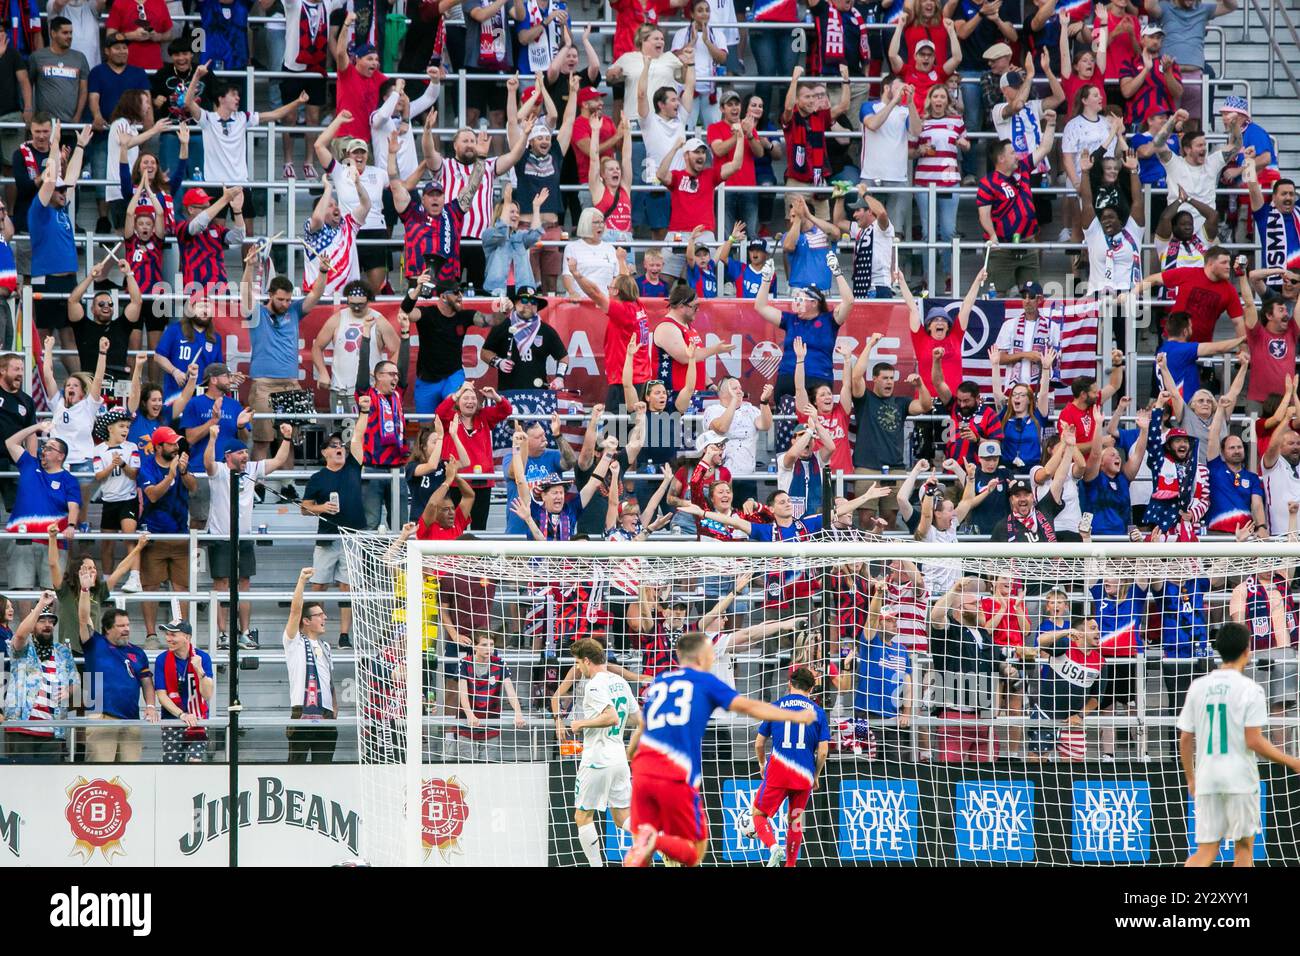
(232, 709)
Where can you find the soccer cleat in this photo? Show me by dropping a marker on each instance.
(776, 856)
(643, 844)
(290, 172)
(132, 585)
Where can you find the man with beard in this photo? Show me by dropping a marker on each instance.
(519, 347)
(189, 341)
(166, 483)
(343, 333)
(972, 420)
(1180, 490)
(1281, 472)
(119, 671)
(1023, 341)
(439, 368)
(1236, 493)
(1277, 224)
(1082, 412)
(119, 329)
(215, 404)
(42, 683)
(1026, 522)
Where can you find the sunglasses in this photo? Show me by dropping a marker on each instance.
(653, 382)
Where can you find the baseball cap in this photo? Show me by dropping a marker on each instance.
(990, 449)
(1031, 290)
(1012, 79)
(527, 293)
(923, 44)
(50, 613)
(433, 187)
(215, 369)
(363, 49)
(589, 93)
(1017, 486)
(693, 144)
(996, 51)
(707, 438)
(177, 627)
(1153, 30)
(762, 245)
(447, 285)
(163, 435)
(231, 446)
(355, 144)
(1176, 433)
(728, 96)
(196, 197)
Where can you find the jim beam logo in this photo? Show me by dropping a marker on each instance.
(445, 810)
(98, 812)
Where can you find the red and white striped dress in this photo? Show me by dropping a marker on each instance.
(455, 175)
(942, 168)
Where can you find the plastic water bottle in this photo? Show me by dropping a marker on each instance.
(469, 291)
(991, 292)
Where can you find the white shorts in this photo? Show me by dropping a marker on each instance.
(600, 788)
(1226, 816)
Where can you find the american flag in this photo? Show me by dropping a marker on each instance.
(537, 404)
(1077, 319)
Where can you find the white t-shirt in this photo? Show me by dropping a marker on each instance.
(604, 746)
(882, 251)
(596, 262)
(664, 71)
(741, 450)
(121, 130)
(705, 68)
(372, 181)
(884, 151)
(385, 120)
(345, 357)
(295, 662)
(85, 29)
(1281, 485)
(1024, 130)
(1113, 264)
(658, 135)
(1020, 335)
(723, 15)
(724, 665)
(940, 576)
(1082, 135)
(74, 427)
(219, 490)
(225, 147)
(1219, 708)
(117, 486)
(1199, 182)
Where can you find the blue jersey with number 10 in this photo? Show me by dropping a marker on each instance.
(794, 746)
(678, 705)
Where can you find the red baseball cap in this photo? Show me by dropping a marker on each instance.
(162, 435)
(589, 93)
(1176, 433)
(196, 197)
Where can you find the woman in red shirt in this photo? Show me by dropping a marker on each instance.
(1121, 26)
(469, 428)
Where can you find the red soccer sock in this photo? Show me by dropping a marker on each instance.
(677, 848)
(793, 841)
(763, 830)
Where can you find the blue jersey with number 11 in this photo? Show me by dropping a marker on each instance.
(794, 746)
(678, 705)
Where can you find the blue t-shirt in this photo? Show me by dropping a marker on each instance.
(799, 528)
(274, 343)
(142, 427)
(199, 412)
(1255, 135)
(182, 685)
(1022, 440)
(547, 463)
(1181, 358)
(819, 334)
(703, 281)
(794, 746)
(651, 290)
(1119, 618)
(183, 352)
(1151, 172)
(556, 527)
(54, 249)
(42, 498)
(170, 514)
(882, 676)
(747, 280)
(808, 262)
(110, 86)
(119, 670)
(678, 705)
(1109, 501)
(1184, 629)
(1230, 495)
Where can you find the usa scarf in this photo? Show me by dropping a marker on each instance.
(392, 421)
(313, 694)
(1018, 530)
(524, 332)
(193, 696)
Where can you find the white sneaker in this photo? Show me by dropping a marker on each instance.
(1065, 236)
(776, 856)
(132, 585)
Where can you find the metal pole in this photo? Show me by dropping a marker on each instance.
(233, 708)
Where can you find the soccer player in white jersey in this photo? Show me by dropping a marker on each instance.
(604, 780)
(1220, 735)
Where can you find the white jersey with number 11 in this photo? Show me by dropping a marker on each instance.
(1219, 708)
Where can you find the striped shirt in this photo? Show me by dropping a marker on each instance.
(1012, 203)
(203, 255)
(145, 259)
(455, 176)
(340, 242)
(940, 168)
(485, 687)
(1152, 96)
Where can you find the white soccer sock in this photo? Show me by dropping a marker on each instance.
(589, 837)
(626, 825)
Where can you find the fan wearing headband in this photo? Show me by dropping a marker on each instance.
(117, 462)
(343, 333)
(811, 319)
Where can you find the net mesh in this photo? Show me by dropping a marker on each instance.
(980, 710)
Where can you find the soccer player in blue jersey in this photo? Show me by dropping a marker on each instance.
(667, 812)
(797, 758)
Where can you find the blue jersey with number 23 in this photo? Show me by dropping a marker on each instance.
(677, 709)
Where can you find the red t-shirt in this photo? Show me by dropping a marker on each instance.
(935, 33)
(745, 175)
(1072, 85)
(923, 82)
(436, 532)
(124, 17)
(1008, 632)
(630, 14)
(582, 136)
(1272, 359)
(627, 319)
(923, 346)
(694, 199)
(1084, 422)
(1202, 298)
(837, 423)
(477, 439)
(360, 96)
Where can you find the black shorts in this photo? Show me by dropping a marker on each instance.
(219, 559)
(1118, 684)
(51, 314)
(485, 95)
(116, 511)
(154, 311)
(312, 83)
(374, 257)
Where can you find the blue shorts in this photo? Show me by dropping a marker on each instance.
(428, 395)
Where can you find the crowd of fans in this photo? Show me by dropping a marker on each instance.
(147, 421)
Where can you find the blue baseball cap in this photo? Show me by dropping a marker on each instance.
(363, 49)
(230, 446)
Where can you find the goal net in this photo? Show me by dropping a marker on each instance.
(986, 704)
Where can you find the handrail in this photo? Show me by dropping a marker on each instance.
(1278, 56)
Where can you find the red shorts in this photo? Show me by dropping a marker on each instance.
(768, 799)
(670, 806)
